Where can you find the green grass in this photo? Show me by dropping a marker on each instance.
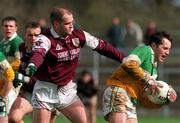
(62, 119)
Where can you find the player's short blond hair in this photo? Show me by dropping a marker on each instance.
(57, 13)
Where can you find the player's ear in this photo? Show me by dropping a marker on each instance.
(55, 23)
(153, 45)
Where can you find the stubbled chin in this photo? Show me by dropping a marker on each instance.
(162, 60)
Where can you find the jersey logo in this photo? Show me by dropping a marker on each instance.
(39, 42)
(76, 42)
(58, 47)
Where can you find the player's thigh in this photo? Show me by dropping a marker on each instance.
(132, 120)
(3, 119)
(75, 112)
(20, 108)
(117, 100)
(117, 117)
(21, 105)
(41, 115)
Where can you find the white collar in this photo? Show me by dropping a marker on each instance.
(54, 34)
(10, 39)
(153, 57)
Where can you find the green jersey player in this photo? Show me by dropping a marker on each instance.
(127, 84)
(10, 43)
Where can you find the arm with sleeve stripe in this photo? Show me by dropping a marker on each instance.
(133, 69)
(9, 76)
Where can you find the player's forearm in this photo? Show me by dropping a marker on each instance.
(15, 64)
(37, 58)
(108, 50)
(7, 70)
(9, 74)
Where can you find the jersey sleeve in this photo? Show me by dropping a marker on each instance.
(103, 47)
(6, 67)
(15, 63)
(40, 49)
(133, 69)
(131, 64)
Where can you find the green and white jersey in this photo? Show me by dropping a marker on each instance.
(145, 57)
(10, 48)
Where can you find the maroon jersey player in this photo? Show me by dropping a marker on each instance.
(56, 54)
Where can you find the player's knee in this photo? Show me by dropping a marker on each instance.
(14, 118)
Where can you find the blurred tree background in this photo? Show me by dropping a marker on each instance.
(95, 15)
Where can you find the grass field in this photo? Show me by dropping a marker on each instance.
(141, 120)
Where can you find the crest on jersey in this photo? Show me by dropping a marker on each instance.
(39, 42)
(58, 47)
(76, 42)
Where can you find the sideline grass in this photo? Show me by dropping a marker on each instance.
(62, 119)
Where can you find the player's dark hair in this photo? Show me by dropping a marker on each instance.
(57, 13)
(158, 36)
(32, 25)
(9, 18)
(84, 72)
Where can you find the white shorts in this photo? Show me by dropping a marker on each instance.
(5, 108)
(49, 96)
(116, 99)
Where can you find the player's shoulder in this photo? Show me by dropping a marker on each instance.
(43, 38)
(42, 41)
(77, 32)
(141, 49)
(17, 40)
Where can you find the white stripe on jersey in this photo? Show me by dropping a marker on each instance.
(4, 65)
(91, 41)
(132, 57)
(42, 42)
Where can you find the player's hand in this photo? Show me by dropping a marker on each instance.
(172, 96)
(151, 86)
(20, 79)
(31, 69)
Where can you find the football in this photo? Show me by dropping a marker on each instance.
(161, 97)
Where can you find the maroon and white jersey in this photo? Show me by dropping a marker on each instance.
(57, 57)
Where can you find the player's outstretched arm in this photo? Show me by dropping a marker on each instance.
(133, 68)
